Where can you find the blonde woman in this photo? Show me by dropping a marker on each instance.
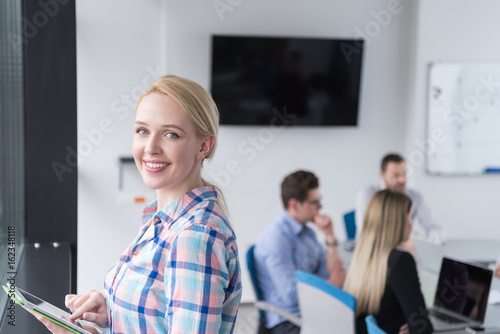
(181, 273)
(383, 277)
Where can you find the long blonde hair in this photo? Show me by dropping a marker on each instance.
(198, 105)
(384, 228)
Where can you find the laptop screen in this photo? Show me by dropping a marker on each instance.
(463, 288)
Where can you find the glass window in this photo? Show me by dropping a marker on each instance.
(12, 199)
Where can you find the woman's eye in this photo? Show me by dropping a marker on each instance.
(141, 131)
(171, 135)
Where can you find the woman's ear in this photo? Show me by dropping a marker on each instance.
(206, 146)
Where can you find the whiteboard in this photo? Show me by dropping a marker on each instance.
(463, 119)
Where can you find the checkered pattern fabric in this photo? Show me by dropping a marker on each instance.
(181, 274)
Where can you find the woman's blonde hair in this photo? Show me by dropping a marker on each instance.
(198, 105)
(384, 228)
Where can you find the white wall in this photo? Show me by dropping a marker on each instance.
(118, 47)
(345, 159)
(119, 42)
(454, 30)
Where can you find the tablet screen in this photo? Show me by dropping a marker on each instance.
(53, 313)
(43, 306)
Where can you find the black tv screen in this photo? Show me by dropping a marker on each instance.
(290, 81)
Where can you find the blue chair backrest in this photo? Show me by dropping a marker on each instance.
(350, 225)
(345, 297)
(253, 276)
(372, 326)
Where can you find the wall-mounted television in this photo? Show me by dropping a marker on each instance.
(282, 80)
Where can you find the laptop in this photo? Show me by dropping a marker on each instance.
(461, 295)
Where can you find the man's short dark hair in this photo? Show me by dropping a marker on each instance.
(392, 157)
(297, 186)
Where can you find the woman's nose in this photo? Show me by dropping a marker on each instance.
(152, 146)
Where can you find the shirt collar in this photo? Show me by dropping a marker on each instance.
(177, 208)
(383, 187)
(292, 223)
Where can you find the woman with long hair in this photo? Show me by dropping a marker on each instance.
(181, 274)
(382, 276)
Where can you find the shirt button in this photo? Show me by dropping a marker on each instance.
(157, 219)
(136, 252)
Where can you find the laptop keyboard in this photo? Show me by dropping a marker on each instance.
(444, 317)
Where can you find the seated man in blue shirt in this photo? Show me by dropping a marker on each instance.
(289, 245)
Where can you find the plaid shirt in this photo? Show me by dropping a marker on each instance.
(184, 277)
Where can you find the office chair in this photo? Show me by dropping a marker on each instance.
(324, 308)
(350, 228)
(350, 225)
(262, 305)
(372, 326)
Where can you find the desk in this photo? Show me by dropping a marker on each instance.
(462, 249)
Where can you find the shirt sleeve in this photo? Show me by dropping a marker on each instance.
(423, 214)
(197, 279)
(403, 280)
(281, 267)
(323, 270)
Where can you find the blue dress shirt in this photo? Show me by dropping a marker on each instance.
(284, 247)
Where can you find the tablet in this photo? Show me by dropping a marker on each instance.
(50, 311)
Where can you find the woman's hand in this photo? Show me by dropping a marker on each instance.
(91, 306)
(55, 328)
(51, 326)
